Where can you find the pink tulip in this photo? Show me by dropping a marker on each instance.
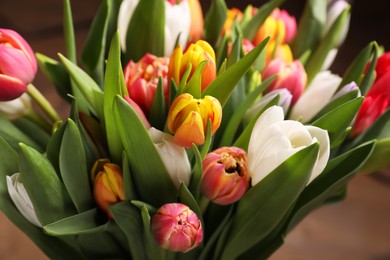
(291, 76)
(177, 228)
(139, 111)
(225, 176)
(18, 65)
(142, 80)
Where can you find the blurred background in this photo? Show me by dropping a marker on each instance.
(357, 228)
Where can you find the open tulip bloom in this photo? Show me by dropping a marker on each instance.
(188, 138)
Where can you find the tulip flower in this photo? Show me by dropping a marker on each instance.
(142, 80)
(233, 14)
(177, 22)
(16, 108)
(108, 184)
(274, 140)
(18, 65)
(225, 176)
(194, 55)
(382, 66)
(139, 111)
(317, 95)
(177, 228)
(173, 156)
(21, 199)
(335, 8)
(188, 118)
(196, 29)
(291, 76)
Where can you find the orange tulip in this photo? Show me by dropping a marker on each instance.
(196, 29)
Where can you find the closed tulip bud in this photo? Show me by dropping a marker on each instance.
(225, 176)
(278, 51)
(196, 29)
(177, 228)
(335, 8)
(194, 55)
(142, 80)
(18, 65)
(16, 108)
(346, 89)
(291, 76)
(139, 111)
(108, 184)
(188, 118)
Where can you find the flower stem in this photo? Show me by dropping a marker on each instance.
(34, 117)
(203, 203)
(43, 103)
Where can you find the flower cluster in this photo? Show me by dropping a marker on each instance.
(212, 137)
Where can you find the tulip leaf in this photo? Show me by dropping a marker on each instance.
(73, 168)
(376, 162)
(129, 221)
(357, 67)
(82, 223)
(70, 42)
(273, 197)
(57, 75)
(184, 79)
(340, 118)
(197, 172)
(235, 53)
(328, 42)
(150, 175)
(112, 87)
(158, 111)
(222, 87)
(33, 130)
(310, 27)
(236, 118)
(148, 38)
(46, 191)
(186, 197)
(221, 52)
(194, 85)
(214, 21)
(337, 173)
(370, 74)
(206, 146)
(128, 183)
(84, 83)
(250, 29)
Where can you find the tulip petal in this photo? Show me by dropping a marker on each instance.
(11, 88)
(16, 108)
(190, 131)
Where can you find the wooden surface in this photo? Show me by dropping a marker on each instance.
(357, 228)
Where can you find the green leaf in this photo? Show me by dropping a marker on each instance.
(150, 175)
(83, 223)
(70, 42)
(188, 199)
(235, 120)
(30, 128)
(337, 173)
(235, 53)
(53, 148)
(158, 112)
(265, 205)
(128, 183)
(194, 85)
(129, 220)
(214, 21)
(47, 193)
(328, 42)
(206, 146)
(376, 162)
(222, 87)
(339, 119)
(370, 75)
(357, 67)
(112, 87)
(197, 172)
(148, 38)
(73, 168)
(310, 27)
(250, 29)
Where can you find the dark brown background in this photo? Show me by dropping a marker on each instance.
(357, 228)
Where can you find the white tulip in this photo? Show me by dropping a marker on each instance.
(316, 96)
(177, 22)
(173, 156)
(274, 140)
(16, 108)
(20, 198)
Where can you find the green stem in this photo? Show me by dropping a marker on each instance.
(34, 117)
(203, 203)
(43, 103)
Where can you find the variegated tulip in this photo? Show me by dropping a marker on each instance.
(16, 108)
(108, 184)
(18, 65)
(142, 80)
(173, 156)
(21, 199)
(225, 176)
(274, 140)
(177, 228)
(188, 118)
(194, 55)
(291, 76)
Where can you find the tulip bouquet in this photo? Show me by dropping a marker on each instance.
(187, 138)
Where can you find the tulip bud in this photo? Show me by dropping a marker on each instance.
(108, 184)
(346, 89)
(194, 55)
(188, 118)
(225, 176)
(173, 156)
(16, 108)
(138, 110)
(291, 76)
(18, 65)
(177, 228)
(142, 80)
(233, 14)
(196, 29)
(382, 66)
(20, 198)
(335, 8)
